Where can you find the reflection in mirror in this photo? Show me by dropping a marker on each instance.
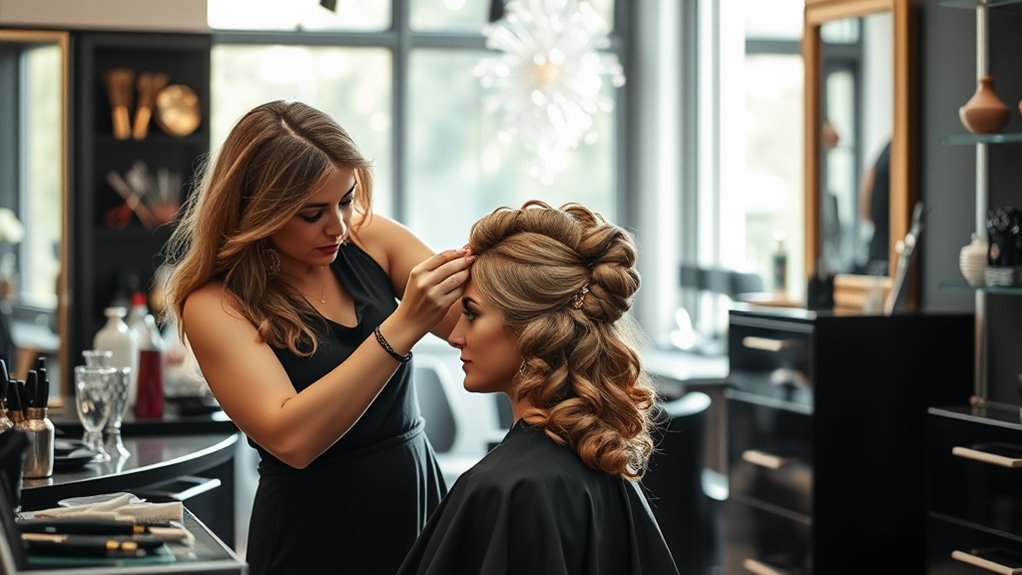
(858, 158)
(857, 119)
(33, 176)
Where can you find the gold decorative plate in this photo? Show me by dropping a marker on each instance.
(177, 110)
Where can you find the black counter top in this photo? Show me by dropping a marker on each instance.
(152, 460)
(172, 423)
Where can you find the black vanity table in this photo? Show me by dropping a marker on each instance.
(207, 555)
(196, 469)
(827, 436)
(186, 458)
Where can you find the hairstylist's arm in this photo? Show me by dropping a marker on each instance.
(254, 390)
(401, 250)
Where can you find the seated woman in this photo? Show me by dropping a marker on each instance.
(544, 322)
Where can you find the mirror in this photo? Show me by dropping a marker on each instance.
(33, 198)
(858, 184)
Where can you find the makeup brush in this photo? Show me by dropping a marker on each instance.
(149, 85)
(119, 83)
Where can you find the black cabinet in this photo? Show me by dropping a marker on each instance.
(826, 436)
(105, 251)
(975, 496)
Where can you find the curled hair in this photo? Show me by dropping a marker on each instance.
(274, 159)
(564, 279)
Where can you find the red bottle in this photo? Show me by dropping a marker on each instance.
(149, 403)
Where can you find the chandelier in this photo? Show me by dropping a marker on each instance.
(547, 81)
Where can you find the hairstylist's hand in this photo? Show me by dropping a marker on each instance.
(433, 287)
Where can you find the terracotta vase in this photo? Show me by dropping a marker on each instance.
(984, 113)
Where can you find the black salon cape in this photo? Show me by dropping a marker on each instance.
(532, 507)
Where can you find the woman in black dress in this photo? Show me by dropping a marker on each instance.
(544, 322)
(301, 308)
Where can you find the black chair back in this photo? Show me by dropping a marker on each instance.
(436, 409)
(673, 483)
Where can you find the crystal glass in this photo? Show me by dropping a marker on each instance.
(119, 384)
(93, 403)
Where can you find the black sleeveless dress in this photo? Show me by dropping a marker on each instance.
(359, 506)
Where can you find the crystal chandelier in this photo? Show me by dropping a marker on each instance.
(546, 83)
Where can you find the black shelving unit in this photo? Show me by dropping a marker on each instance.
(102, 255)
(974, 451)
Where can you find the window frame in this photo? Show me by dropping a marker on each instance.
(402, 40)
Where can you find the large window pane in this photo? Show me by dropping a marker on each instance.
(351, 15)
(351, 84)
(468, 15)
(771, 191)
(774, 19)
(39, 212)
(459, 168)
(471, 15)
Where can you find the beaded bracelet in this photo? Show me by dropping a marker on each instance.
(386, 347)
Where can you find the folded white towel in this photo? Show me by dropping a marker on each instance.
(125, 507)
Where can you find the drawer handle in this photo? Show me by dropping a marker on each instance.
(788, 376)
(760, 568)
(767, 343)
(991, 458)
(985, 563)
(764, 459)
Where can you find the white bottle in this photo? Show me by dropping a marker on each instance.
(143, 324)
(117, 338)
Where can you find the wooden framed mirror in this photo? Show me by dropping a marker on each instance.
(858, 126)
(34, 79)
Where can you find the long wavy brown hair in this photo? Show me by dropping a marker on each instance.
(275, 157)
(564, 279)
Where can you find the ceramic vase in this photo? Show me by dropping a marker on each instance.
(972, 260)
(984, 113)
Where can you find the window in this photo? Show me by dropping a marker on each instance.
(30, 169)
(352, 84)
(398, 75)
(752, 144)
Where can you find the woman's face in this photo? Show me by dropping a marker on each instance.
(312, 236)
(489, 357)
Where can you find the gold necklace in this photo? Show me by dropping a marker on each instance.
(321, 298)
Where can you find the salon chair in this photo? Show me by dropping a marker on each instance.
(726, 282)
(458, 424)
(696, 282)
(675, 480)
(436, 409)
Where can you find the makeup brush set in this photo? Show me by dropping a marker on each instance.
(175, 107)
(153, 198)
(111, 538)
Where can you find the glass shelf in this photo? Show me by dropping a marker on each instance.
(974, 3)
(962, 286)
(969, 139)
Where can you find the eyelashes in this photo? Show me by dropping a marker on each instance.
(314, 217)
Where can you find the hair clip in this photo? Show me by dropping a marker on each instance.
(580, 296)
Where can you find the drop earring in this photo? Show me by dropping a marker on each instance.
(271, 260)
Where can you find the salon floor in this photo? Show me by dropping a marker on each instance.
(460, 426)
